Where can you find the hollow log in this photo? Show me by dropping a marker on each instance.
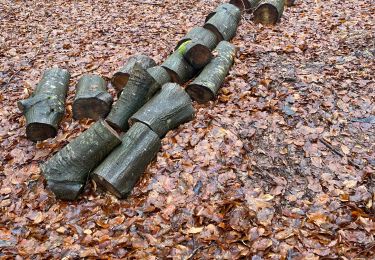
(289, 3)
(269, 12)
(245, 5)
(160, 75)
(205, 87)
(229, 7)
(45, 108)
(123, 167)
(67, 171)
(92, 99)
(178, 68)
(223, 24)
(168, 109)
(120, 78)
(139, 89)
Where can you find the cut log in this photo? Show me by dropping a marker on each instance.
(289, 3)
(92, 99)
(269, 12)
(178, 68)
(45, 109)
(140, 88)
(223, 24)
(200, 34)
(168, 109)
(120, 78)
(160, 75)
(229, 7)
(205, 87)
(245, 5)
(123, 167)
(67, 171)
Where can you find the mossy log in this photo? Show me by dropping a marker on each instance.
(245, 5)
(223, 24)
(178, 68)
(120, 78)
(45, 109)
(289, 2)
(205, 87)
(228, 7)
(269, 12)
(92, 99)
(160, 75)
(123, 167)
(67, 171)
(138, 90)
(168, 109)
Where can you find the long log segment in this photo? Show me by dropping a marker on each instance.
(245, 5)
(269, 12)
(120, 78)
(92, 99)
(67, 171)
(228, 7)
(122, 168)
(139, 89)
(45, 109)
(205, 87)
(168, 109)
(160, 75)
(178, 68)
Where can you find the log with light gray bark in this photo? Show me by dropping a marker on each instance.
(92, 99)
(245, 5)
(229, 7)
(45, 108)
(269, 12)
(178, 68)
(205, 87)
(67, 171)
(160, 75)
(168, 109)
(123, 167)
(120, 78)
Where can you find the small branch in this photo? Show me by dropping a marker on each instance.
(193, 253)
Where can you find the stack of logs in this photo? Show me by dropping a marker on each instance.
(116, 149)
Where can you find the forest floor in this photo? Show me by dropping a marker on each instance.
(281, 166)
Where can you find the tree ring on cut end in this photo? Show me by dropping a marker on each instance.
(266, 14)
(200, 93)
(40, 131)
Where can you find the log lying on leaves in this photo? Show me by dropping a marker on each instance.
(92, 99)
(289, 2)
(45, 108)
(121, 77)
(269, 12)
(178, 68)
(245, 5)
(122, 168)
(160, 75)
(168, 109)
(228, 7)
(67, 171)
(139, 89)
(205, 87)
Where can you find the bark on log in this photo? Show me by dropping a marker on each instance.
(123, 167)
(289, 3)
(269, 12)
(200, 34)
(92, 99)
(67, 171)
(205, 87)
(140, 88)
(229, 7)
(45, 109)
(171, 107)
(223, 24)
(160, 75)
(178, 68)
(120, 78)
(245, 5)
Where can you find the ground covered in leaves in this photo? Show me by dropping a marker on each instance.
(280, 166)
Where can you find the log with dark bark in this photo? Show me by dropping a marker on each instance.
(160, 74)
(205, 87)
(92, 99)
(45, 108)
(289, 2)
(245, 5)
(178, 68)
(120, 78)
(67, 171)
(269, 12)
(229, 7)
(123, 167)
(168, 109)
(139, 89)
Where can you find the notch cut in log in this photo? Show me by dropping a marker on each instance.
(223, 24)
(178, 68)
(269, 12)
(234, 10)
(205, 87)
(140, 88)
(245, 5)
(123, 167)
(120, 78)
(160, 75)
(92, 99)
(45, 109)
(168, 109)
(67, 171)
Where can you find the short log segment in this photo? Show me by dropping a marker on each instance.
(123, 167)
(160, 75)
(178, 68)
(45, 109)
(139, 89)
(67, 171)
(289, 3)
(92, 99)
(205, 87)
(228, 7)
(120, 78)
(168, 109)
(245, 5)
(269, 12)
